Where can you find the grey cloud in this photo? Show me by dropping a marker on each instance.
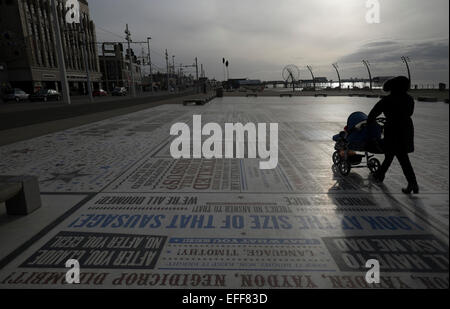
(380, 44)
(388, 51)
(259, 37)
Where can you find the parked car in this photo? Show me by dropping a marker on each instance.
(99, 93)
(15, 94)
(119, 91)
(45, 95)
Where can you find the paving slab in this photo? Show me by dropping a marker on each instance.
(135, 217)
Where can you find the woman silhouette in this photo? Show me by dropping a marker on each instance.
(397, 107)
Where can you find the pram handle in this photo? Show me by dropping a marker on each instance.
(381, 120)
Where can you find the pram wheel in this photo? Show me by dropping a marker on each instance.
(336, 157)
(374, 165)
(344, 168)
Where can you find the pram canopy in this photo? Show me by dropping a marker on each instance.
(356, 120)
(360, 136)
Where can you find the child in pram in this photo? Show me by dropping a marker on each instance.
(358, 137)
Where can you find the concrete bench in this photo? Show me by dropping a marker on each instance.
(20, 194)
(194, 102)
(199, 101)
(286, 95)
(321, 95)
(427, 99)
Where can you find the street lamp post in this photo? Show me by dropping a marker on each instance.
(227, 64)
(196, 73)
(150, 63)
(173, 72)
(406, 60)
(335, 66)
(367, 64)
(167, 65)
(223, 67)
(173, 64)
(313, 78)
(179, 78)
(128, 37)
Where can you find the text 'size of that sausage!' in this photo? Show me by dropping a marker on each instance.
(147, 220)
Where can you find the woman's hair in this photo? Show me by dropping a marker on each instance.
(397, 84)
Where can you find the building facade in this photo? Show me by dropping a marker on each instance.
(115, 68)
(28, 46)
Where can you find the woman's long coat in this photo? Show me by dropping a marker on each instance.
(399, 128)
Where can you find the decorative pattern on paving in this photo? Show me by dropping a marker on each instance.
(156, 222)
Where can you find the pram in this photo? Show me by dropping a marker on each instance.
(358, 137)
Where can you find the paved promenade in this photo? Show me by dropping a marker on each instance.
(440, 96)
(15, 115)
(114, 199)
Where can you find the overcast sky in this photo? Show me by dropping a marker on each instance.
(260, 37)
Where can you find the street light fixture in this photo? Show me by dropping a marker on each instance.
(227, 64)
(367, 64)
(223, 67)
(336, 67)
(312, 74)
(406, 60)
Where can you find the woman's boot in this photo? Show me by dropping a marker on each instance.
(379, 177)
(411, 188)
